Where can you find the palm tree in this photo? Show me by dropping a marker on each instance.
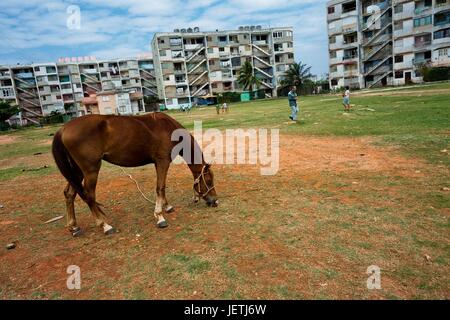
(297, 75)
(246, 77)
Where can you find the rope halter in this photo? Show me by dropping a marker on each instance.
(197, 191)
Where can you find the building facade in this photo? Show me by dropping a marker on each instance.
(376, 43)
(191, 65)
(118, 102)
(40, 89)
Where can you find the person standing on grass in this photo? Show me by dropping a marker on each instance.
(292, 97)
(346, 101)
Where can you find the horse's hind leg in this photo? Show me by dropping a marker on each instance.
(70, 194)
(90, 183)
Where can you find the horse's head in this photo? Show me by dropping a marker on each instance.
(204, 187)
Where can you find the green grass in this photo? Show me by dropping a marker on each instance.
(302, 240)
(418, 124)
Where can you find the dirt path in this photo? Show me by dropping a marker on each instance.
(336, 206)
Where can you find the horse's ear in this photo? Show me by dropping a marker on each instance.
(207, 166)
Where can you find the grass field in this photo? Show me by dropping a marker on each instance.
(365, 188)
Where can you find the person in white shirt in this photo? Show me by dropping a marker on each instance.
(224, 107)
(346, 101)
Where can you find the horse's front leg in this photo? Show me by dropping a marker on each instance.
(161, 202)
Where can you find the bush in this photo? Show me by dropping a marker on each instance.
(431, 74)
(4, 126)
(229, 97)
(54, 117)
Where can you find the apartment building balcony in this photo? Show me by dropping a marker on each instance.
(5, 75)
(351, 82)
(351, 73)
(404, 49)
(336, 45)
(350, 59)
(282, 39)
(351, 28)
(417, 62)
(68, 98)
(442, 18)
(89, 71)
(51, 99)
(422, 44)
(336, 74)
(408, 14)
(45, 90)
(401, 33)
(179, 71)
(193, 47)
(182, 82)
(335, 30)
(260, 42)
(333, 16)
(66, 91)
(128, 65)
(76, 79)
(182, 93)
(403, 65)
(422, 29)
(332, 61)
(24, 75)
(422, 11)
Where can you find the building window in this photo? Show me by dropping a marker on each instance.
(398, 8)
(214, 85)
(278, 34)
(221, 49)
(332, 54)
(331, 10)
(105, 98)
(175, 41)
(332, 39)
(398, 74)
(445, 33)
(162, 53)
(422, 21)
(398, 59)
(443, 52)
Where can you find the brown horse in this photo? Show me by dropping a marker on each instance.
(128, 141)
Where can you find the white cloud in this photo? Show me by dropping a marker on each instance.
(123, 28)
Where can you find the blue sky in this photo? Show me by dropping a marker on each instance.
(36, 30)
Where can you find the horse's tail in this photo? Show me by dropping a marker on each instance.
(69, 169)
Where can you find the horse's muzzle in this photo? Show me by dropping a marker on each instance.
(211, 201)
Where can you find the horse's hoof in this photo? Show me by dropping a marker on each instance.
(170, 209)
(162, 224)
(76, 232)
(109, 231)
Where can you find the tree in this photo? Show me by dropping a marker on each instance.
(7, 110)
(298, 75)
(246, 77)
